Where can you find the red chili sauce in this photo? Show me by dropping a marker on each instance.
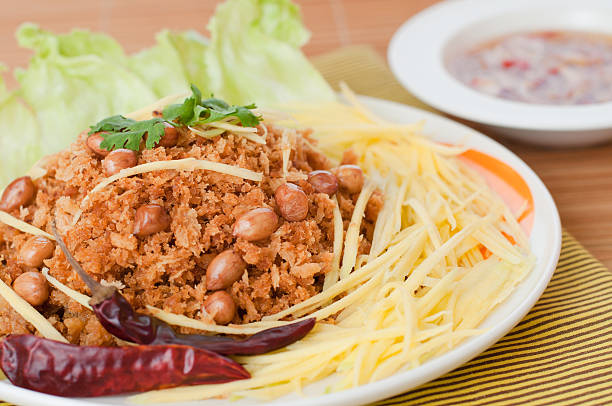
(548, 67)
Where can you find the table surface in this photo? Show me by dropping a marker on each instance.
(579, 179)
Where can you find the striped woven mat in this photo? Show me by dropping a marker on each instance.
(561, 353)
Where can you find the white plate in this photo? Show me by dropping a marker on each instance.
(545, 241)
(419, 48)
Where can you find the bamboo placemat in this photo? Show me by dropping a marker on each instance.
(561, 353)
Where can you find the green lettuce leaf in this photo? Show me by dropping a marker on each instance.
(175, 62)
(160, 67)
(19, 136)
(191, 48)
(254, 54)
(74, 80)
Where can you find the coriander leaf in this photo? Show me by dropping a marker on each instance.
(154, 134)
(213, 115)
(218, 110)
(113, 123)
(117, 140)
(194, 111)
(184, 113)
(187, 112)
(121, 132)
(179, 112)
(247, 119)
(198, 111)
(216, 104)
(197, 95)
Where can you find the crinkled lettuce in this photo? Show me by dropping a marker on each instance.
(19, 136)
(254, 54)
(191, 48)
(74, 80)
(161, 66)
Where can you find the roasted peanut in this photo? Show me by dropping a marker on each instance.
(225, 269)
(257, 224)
(350, 178)
(32, 287)
(35, 251)
(323, 182)
(19, 192)
(170, 137)
(292, 202)
(150, 219)
(119, 159)
(94, 141)
(220, 306)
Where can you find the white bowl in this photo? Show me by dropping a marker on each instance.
(419, 48)
(545, 242)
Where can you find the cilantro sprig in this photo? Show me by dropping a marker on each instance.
(122, 132)
(194, 111)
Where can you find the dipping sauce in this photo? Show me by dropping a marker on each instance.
(548, 67)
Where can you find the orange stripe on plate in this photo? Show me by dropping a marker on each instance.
(506, 182)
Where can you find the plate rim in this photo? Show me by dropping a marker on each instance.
(429, 370)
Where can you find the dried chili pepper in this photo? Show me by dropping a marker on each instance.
(77, 371)
(120, 319)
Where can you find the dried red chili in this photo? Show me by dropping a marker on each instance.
(78, 371)
(121, 320)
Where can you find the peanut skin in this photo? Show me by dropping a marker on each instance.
(255, 225)
(225, 269)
